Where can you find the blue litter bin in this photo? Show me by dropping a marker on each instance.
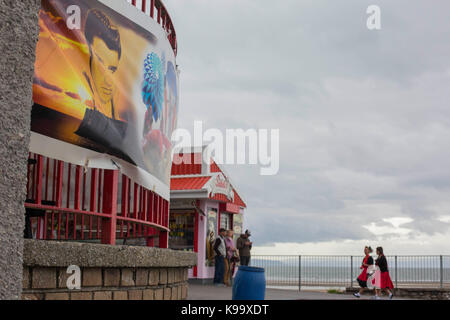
(249, 284)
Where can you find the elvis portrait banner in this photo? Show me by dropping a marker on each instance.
(109, 87)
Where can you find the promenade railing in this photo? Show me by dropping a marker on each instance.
(67, 202)
(414, 271)
(156, 10)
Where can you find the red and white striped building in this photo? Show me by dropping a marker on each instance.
(202, 200)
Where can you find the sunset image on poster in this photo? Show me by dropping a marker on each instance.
(110, 86)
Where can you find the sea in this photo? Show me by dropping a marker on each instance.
(341, 272)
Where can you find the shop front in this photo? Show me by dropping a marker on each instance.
(203, 200)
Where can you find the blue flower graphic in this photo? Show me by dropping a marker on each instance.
(153, 84)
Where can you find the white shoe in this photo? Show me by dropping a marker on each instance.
(357, 295)
(376, 298)
(391, 296)
(220, 285)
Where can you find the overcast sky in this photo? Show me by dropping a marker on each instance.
(363, 116)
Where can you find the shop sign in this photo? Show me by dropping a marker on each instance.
(182, 203)
(233, 208)
(220, 185)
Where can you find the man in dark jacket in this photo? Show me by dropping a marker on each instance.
(244, 245)
(221, 252)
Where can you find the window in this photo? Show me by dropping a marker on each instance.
(181, 236)
(226, 221)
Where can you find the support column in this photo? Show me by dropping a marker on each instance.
(18, 40)
(109, 205)
(164, 239)
(164, 214)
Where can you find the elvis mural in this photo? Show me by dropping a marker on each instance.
(110, 86)
(211, 236)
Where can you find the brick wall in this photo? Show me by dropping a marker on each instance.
(107, 272)
(50, 283)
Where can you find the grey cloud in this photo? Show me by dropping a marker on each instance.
(429, 226)
(363, 116)
(273, 226)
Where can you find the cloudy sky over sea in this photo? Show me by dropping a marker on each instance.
(364, 117)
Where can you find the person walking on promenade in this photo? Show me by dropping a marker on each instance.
(244, 246)
(221, 253)
(366, 263)
(385, 282)
(228, 260)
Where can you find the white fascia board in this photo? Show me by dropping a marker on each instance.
(189, 194)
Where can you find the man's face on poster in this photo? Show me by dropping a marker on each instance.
(103, 68)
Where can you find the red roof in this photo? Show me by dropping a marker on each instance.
(238, 200)
(214, 167)
(190, 164)
(197, 182)
(223, 198)
(189, 183)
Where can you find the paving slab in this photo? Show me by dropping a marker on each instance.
(211, 292)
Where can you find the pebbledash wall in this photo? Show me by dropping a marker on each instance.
(107, 272)
(33, 269)
(18, 37)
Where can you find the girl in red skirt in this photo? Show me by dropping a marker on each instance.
(385, 279)
(366, 263)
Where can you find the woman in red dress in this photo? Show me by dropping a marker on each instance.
(385, 279)
(362, 279)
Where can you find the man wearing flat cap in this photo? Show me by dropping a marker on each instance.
(244, 245)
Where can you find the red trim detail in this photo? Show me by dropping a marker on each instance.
(232, 222)
(223, 198)
(111, 182)
(218, 219)
(164, 239)
(214, 167)
(196, 222)
(168, 21)
(39, 180)
(152, 8)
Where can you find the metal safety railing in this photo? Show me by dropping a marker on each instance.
(342, 271)
(67, 202)
(157, 11)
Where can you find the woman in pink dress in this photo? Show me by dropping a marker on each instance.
(384, 281)
(231, 249)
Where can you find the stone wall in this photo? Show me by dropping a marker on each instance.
(18, 38)
(416, 293)
(107, 272)
(44, 283)
(425, 294)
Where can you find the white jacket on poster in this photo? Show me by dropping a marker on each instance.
(373, 277)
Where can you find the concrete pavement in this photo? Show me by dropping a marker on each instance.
(211, 292)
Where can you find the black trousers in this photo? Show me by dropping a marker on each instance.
(244, 260)
(219, 270)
